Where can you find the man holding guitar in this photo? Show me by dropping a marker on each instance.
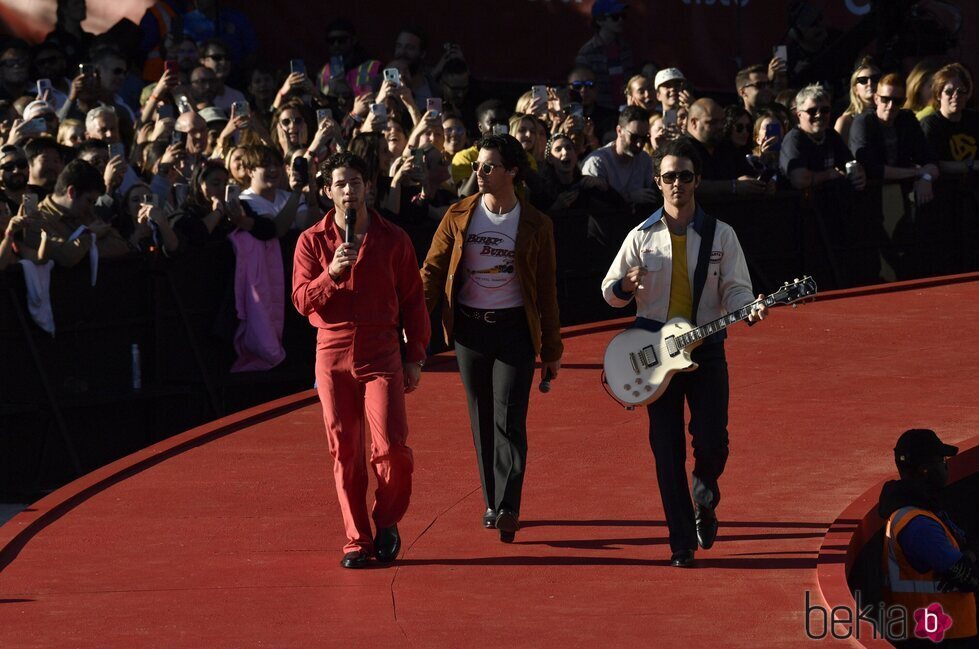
(682, 263)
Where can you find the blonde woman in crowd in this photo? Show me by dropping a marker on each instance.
(863, 84)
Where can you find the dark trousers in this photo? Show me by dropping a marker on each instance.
(706, 392)
(496, 361)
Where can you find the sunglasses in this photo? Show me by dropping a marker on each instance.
(16, 164)
(948, 92)
(760, 85)
(581, 84)
(890, 100)
(486, 167)
(637, 137)
(812, 112)
(217, 57)
(670, 177)
(865, 80)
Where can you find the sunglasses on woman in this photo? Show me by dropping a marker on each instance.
(865, 80)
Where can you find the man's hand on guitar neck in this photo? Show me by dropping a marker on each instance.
(759, 310)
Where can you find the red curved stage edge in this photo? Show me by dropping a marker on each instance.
(19, 530)
(855, 526)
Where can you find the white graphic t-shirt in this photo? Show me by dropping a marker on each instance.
(489, 260)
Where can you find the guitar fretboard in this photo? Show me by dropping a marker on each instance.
(721, 323)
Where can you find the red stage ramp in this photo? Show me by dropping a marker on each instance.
(230, 536)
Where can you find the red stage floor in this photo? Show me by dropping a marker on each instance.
(233, 540)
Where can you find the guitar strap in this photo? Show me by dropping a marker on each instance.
(703, 261)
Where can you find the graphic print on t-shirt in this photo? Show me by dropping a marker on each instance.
(962, 146)
(495, 252)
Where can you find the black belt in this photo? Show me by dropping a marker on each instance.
(492, 316)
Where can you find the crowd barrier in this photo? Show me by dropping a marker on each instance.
(69, 404)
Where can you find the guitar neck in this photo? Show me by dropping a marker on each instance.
(725, 321)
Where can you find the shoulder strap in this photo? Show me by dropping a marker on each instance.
(703, 259)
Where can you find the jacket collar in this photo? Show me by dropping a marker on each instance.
(698, 219)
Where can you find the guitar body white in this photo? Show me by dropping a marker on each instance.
(639, 363)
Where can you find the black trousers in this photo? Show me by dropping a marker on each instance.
(496, 361)
(706, 392)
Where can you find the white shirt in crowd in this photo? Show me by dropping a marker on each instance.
(269, 209)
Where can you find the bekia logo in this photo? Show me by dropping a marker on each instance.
(890, 622)
(931, 623)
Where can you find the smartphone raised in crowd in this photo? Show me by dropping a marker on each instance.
(434, 106)
(171, 66)
(164, 111)
(240, 109)
(669, 117)
(300, 167)
(323, 114)
(501, 129)
(116, 149)
(231, 192)
(380, 111)
(180, 193)
(297, 65)
(336, 67)
(781, 52)
(178, 137)
(43, 85)
(152, 200)
(393, 75)
(29, 201)
(539, 92)
(774, 129)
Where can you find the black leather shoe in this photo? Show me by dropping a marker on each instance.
(489, 518)
(387, 544)
(355, 559)
(508, 523)
(706, 527)
(682, 559)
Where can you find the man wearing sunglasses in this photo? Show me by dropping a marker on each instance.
(682, 263)
(492, 267)
(216, 56)
(755, 88)
(813, 154)
(607, 53)
(725, 170)
(623, 163)
(13, 176)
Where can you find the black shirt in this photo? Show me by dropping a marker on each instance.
(876, 145)
(799, 151)
(726, 163)
(950, 140)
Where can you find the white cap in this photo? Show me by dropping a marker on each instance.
(667, 74)
(36, 109)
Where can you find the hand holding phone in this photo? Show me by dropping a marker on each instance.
(29, 204)
(434, 106)
(300, 168)
(394, 76)
(297, 66)
(380, 111)
(43, 86)
(781, 52)
(240, 109)
(323, 114)
(117, 149)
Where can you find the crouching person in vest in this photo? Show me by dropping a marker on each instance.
(925, 557)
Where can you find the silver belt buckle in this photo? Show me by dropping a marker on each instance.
(489, 317)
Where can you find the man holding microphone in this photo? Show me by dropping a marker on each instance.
(356, 278)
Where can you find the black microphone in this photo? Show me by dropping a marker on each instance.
(545, 384)
(349, 223)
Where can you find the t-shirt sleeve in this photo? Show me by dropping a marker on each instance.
(791, 156)
(593, 166)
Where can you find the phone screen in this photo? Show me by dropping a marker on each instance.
(393, 75)
(669, 117)
(297, 65)
(501, 129)
(323, 114)
(231, 192)
(300, 167)
(781, 52)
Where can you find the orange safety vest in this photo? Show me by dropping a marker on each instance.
(153, 67)
(914, 590)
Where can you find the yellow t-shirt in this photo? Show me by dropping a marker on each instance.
(681, 297)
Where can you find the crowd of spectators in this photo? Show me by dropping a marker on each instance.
(190, 135)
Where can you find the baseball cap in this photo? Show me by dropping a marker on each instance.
(667, 74)
(919, 445)
(607, 7)
(37, 109)
(213, 114)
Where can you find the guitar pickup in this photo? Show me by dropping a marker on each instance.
(648, 356)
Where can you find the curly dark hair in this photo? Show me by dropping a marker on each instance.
(341, 160)
(512, 153)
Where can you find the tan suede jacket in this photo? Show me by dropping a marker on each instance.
(536, 272)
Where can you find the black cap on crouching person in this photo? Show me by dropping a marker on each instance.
(920, 446)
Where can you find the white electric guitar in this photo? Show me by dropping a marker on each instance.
(639, 363)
